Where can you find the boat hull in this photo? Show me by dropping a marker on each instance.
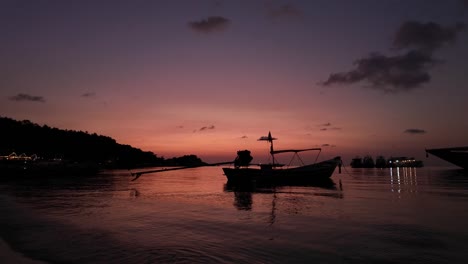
(304, 174)
(457, 156)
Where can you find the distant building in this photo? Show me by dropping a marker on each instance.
(380, 162)
(356, 162)
(404, 162)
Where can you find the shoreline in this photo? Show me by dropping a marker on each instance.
(8, 255)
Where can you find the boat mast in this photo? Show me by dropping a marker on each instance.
(270, 139)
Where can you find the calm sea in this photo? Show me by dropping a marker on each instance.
(401, 215)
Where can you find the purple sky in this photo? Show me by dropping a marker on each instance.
(210, 77)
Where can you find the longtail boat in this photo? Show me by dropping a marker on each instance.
(275, 172)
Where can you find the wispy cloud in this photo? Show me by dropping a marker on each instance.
(88, 95)
(26, 97)
(205, 128)
(415, 131)
(210, 24)
(328, 126)
(283, 11)
(217, 3)
(244, 137)
(406, 71)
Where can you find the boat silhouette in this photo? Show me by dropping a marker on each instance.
(277, 173)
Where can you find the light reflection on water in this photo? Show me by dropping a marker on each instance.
(194, 216)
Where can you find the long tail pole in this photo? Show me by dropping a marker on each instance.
(138, 174)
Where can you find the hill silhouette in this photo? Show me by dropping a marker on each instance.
(78, 146)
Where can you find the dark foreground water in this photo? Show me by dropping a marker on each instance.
(191, 216)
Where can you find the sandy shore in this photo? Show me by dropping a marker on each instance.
(8, 256)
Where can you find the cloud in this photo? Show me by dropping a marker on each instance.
(284, 11)
(244, 137)
(26, 97)
(331, 128)
(210, 24)
(88, 95)
(415, 131)
(405, 71)
(390, 74)
(207, 128)
(327, 126)
(426, 37)
(328, 145)
(217, 3)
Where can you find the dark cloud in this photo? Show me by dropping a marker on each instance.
(390, 74)
(244, 137)
(328, 145)
(207, 128)
(402, 72)
(425, 36)
(415, 131)
(210, 24)
(89, 94)
(180, 127)
(26, 97)
(284, 11)
(326, 124)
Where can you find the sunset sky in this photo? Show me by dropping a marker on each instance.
(210, 77)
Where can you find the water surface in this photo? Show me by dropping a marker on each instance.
(193, 216)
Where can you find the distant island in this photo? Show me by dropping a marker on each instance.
(78, 146)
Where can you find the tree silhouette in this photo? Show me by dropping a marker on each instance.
(77, 146)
